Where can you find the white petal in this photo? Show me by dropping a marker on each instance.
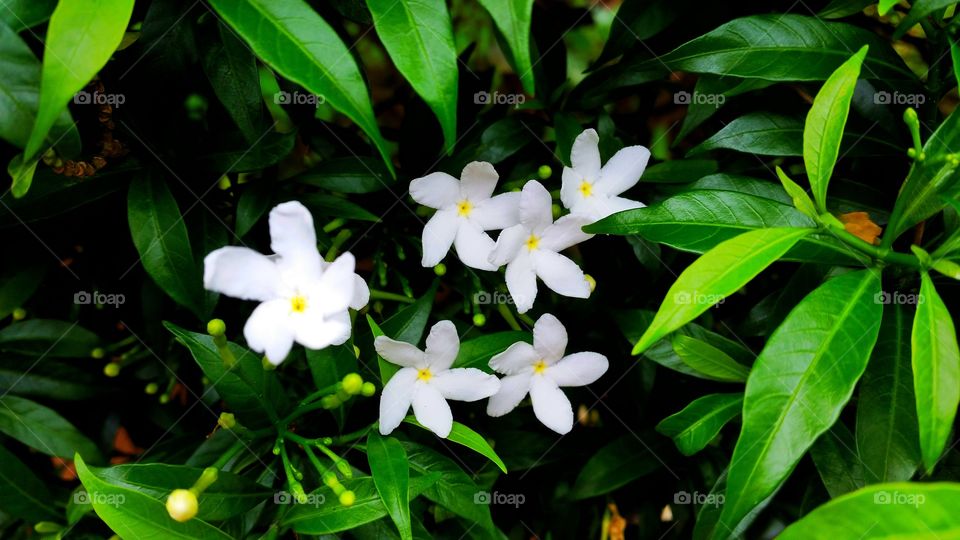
(517, 358)
(465, 384)
(395, 399)
(478, 180)
(565, 232)
(623, 170)
(578, 369)
(512, 391)
(438, 235)
(549, 338)
(241, 273)
(268, 330)
(536, 207)
(585, 155)
(436, 190)
(522, 282)
(560, 274)
(508, 245)
(570, 194)
(498, 212)
(474, 246)
(443, 345)
(619, 204)
(399, 352)
(316, 330)
(333, 292)
(550, 405)
(432, 410)
(361, 293)
(293, 237)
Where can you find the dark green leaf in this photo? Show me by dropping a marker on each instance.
(22, 14)
(43, 429)
(329, 205)
(477, 352)
(454, 490)
(679, 170)
(638, 20)
(617, 464)
(837, 459)
(48, 338)
(919, 10)
(461, 434)
(232, 71)
(698, 423)
(22, 494)
(391, 476)
(711, 93)
(348, 175)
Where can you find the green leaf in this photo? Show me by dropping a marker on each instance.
(936, 371)
(238, 156)
(299, 45)
(886, 410)
(709, 360)
(48, 338)
(801, 201)
(955, 57)
(715, 91)
(330, 205)
(136, 515)
(46, 378)
(512, 18)
(898, 510)
(698, 423)
(798, 385)
(918, 10)
(254, 202)
(22, 14)
(407, 325)
(837, 458)
(454, 490)
(160, 235)
(465, 436)
(43, 429)
(81, 37)
(884, 6)
(783, 47)
(250, 396)
(617, 464)
(636, 21)
(391, 475)
(232, 71)
(418, 36)
(740, 184)
(716, 274)
(823, 128)
(22, 494)
(679, 170)
(348, 175)
(477, 352)
(838, 9)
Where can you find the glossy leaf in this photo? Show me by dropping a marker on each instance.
(801, 201)
(679, 170)
(919, 10)
(329, 205)
(348, 175)
(709, 360)
(465, 436)
(512, 18)
(22, 494)
(48, 338)
(454, 490)
(391, 476)
(22, 14)
(837, 458)
(698, 423)
(635, 21)
(477, 352)
(715, 91)
(232, 71)
(617, 464)
(43, 429)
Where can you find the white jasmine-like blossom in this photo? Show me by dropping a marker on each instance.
(593, 191)
(303, 298)
(531, 249)
(426, 381)
(540, 370)
(465, 209)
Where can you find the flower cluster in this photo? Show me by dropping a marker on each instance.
(530, 240)
(426, 380)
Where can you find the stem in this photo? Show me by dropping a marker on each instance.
(877, 252)
(228, 455)
(383, 295)
(508, 316)
(349, 437)
(326, 391)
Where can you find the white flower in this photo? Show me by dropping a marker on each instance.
(540, 370)
(426, 381)
(304, 298)
(530, 250)
(592, 191)
(465, 209)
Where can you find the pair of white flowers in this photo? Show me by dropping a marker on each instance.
(426, 380)
(530, 242)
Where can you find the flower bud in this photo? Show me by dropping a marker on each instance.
(47, 527)
(19, 314)
(347, 498)
(544, 172)
(555, 210)
(590, 281)
(479, 319)
(368, 389)
(330, 402)
(112, 369)
(216, 327)
(151, 388)
(97, 353)
(440, 269)
(352, 384)
(182, 505)
(330, 479)
(227, 420)
(298, 493)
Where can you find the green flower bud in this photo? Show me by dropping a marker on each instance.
(356, 351)
(330, 402)
(353, 384)
(479, 319)
(347, 498)
(164, 399)
(344, 467)
(151, 388)
(182, 505)
(330, 479)
(112, 369)
(227, 420)
(368, 389)
(440, 269)
(216, 327)
(298, 493)
(47, 527)
(97, 353)
(19, 314)
(555, 208)
(544, 172)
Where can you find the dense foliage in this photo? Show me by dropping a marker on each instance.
(252, 286)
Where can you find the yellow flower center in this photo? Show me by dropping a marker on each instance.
(586, 189)
(298, 304)
(533, 242)
(464, 208)
(424, 374)
(539, 367)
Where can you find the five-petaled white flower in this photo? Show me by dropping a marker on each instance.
(593, 191)
(304, 298)
(426, 381)
(530, 250)
(540, 370)
(465, 209)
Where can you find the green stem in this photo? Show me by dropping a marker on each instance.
(508, 316)
(326, 391)
(383, 295)
(349, 437)
(228, 455)
(877, 252)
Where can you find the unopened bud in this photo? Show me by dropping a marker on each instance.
(182, 505)
(19, 314)
(352, 384)
(151, 388)
(479, 319)
(112, 369)
(97, 353)
(368, 389)
(440, 269)
(347, 498)
(216, 327)
(227, 420)
(544, 172)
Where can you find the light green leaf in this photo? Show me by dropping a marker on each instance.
(884, 6)
(81, 37)
(824, 125)
(391, 476)
(43, 429)
(709, 360)
(936, 371)
(716, 274)
(919, 10)
(512, 18)
(465, 436)
(798, 386)
(296, 42)
(799, 196)
(698, 423)
(418, 36)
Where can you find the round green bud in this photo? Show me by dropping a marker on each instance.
(479, 319)
(227, 420)
(164, 399)
(151, 388)
(440, 269)
(353, 383)
(330, 402)
(544, 172)
(223, 183)
(590, 281)
(216, 327)
(47, 527)
(368, 389)
(347, 498)
(97, 353)
(330, 479)
(19, 314)
(195, 103)
(182, 505)
(111, 370)
(555, 209)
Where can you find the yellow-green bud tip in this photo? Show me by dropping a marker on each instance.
(298, 493)
(182, 505)
(164, 399)
(19, 314)
(97, 353)
(356, 351)
(47, 527)
(151, 388)
(227, 420)
(479, 319)
(368, 389)
(910, 115)
(590, 281)
(216, 327)
(440, 269)
(347, 498)
(555, 209)
(353, 384)
(544, 172)
(111, 370)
